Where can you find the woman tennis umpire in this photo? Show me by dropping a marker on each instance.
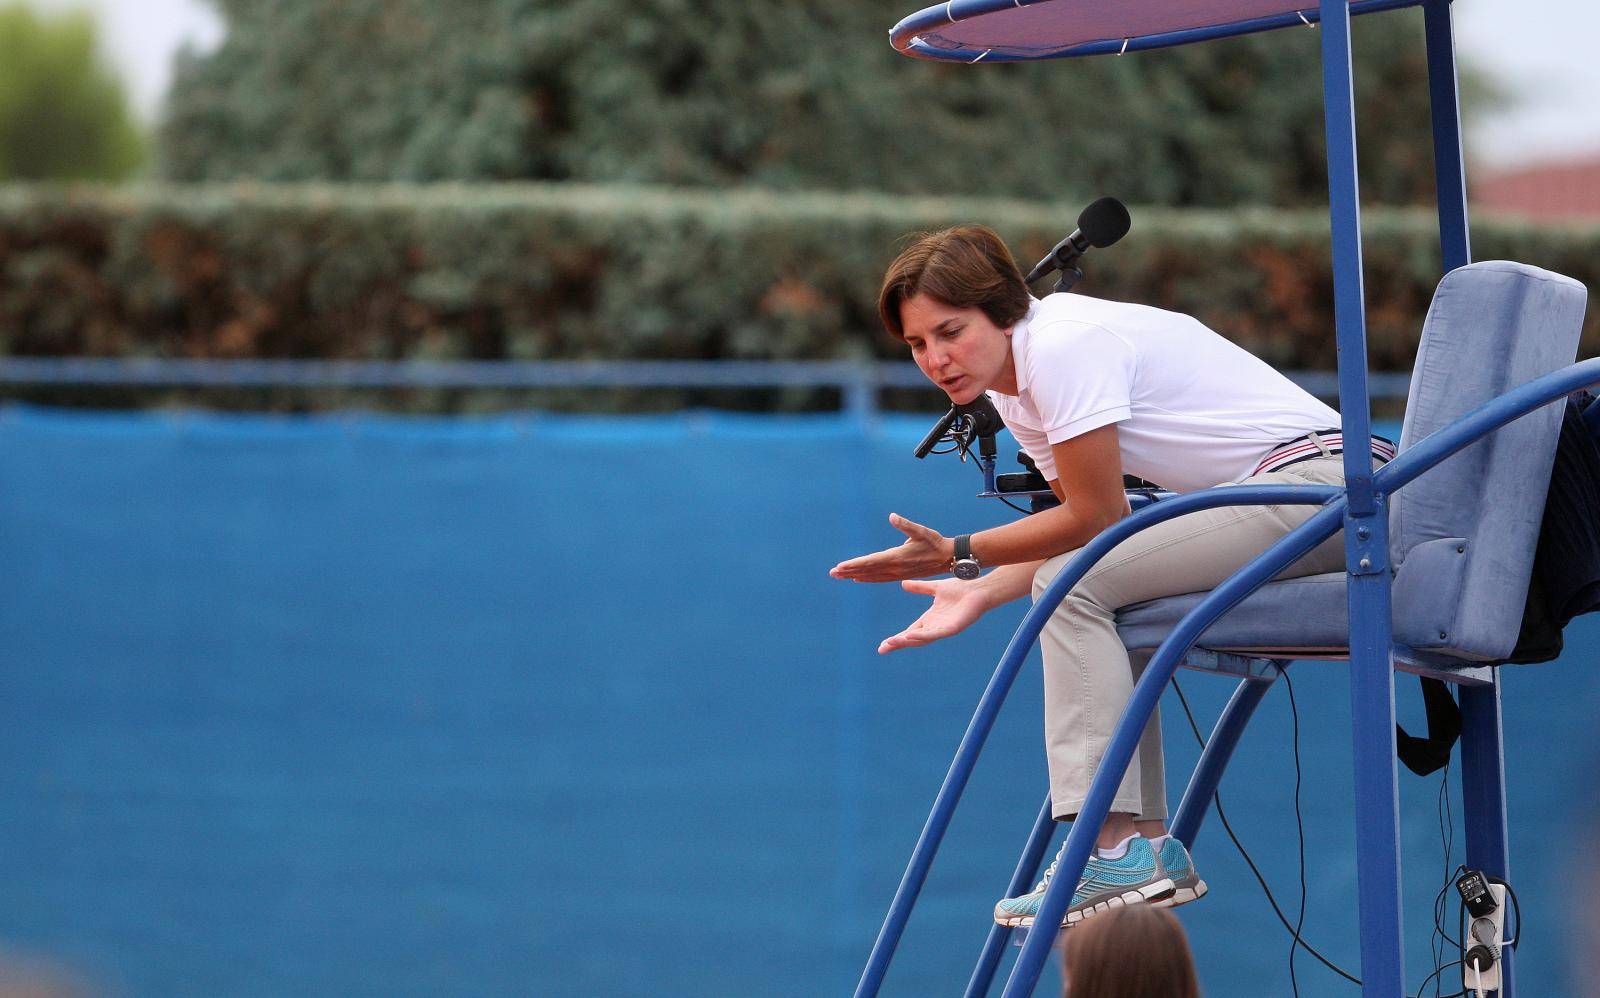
(1092, 389)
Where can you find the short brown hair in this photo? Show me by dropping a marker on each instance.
(967, 266)
(1132, 952)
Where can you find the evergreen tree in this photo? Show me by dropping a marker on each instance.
(63, 113)
(719, 93)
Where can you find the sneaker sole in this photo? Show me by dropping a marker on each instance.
(1160, 891)
(1183, 895)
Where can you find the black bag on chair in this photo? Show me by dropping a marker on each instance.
(1565, 582)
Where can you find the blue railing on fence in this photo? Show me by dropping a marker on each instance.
(858, 382)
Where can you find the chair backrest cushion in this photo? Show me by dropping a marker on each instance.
(1463, 534)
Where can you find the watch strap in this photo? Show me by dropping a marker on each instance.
(963, 547)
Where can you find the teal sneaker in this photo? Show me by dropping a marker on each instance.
(1187, 885)
(1136, 878)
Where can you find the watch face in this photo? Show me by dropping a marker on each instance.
(966, 569)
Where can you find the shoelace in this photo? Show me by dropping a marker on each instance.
(1049, 871)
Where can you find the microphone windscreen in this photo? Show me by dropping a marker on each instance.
(1104, 222)
(985, 418)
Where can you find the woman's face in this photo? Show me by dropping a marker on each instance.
(959, 349)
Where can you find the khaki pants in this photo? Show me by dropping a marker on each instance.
(1089, 675)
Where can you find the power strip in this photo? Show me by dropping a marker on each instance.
(1480, 971)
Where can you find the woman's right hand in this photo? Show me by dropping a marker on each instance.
(956, 604)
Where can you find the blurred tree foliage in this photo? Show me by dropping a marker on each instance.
(726, 93)
(571, 271)
(63, 112)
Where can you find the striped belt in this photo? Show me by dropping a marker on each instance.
(1307, 447)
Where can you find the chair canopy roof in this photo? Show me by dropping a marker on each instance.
(1017, 30)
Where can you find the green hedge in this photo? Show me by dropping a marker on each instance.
(567, 271)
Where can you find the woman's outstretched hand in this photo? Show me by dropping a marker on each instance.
(925, 552)
(956, 604)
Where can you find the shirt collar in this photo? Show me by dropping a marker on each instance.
(1019, 345)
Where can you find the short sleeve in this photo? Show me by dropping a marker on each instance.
(1080, 378)
(1029, 436)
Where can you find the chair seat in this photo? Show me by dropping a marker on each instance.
(1304, 618)
(1305, 614)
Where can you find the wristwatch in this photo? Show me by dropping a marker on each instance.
(965, 565)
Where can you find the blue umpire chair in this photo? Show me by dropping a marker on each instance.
(1462, 537)
(1435, 585)
(1462, 541)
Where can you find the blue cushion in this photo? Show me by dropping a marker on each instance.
(1306, 613)
(1463, 535)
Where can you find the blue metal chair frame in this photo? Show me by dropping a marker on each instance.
(1360, 509)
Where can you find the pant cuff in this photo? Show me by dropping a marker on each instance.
(1068, 810)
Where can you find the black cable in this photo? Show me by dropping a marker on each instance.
(1434, 942)
(1300, 828)
(966, 451)
(1448, 820)
(1008, 502)
(1439, 972)
(1442, 935)
(1447, 836)
(1223, 817)
(1439, 909)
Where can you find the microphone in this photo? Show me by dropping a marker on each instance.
(981, 419)
(977, 419)
(936, 434)
(1101, 224)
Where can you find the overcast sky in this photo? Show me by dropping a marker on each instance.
(1546, 52)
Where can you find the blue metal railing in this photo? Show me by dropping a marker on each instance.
(1006, 674)
(858, 382)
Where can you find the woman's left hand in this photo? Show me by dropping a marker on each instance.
(925, 552)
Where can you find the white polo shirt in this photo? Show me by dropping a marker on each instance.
(1192, 409)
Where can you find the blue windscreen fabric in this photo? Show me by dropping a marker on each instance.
(354, 704)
